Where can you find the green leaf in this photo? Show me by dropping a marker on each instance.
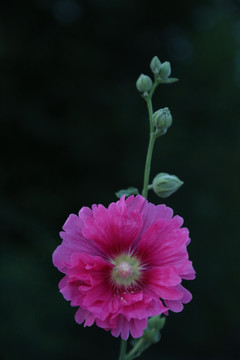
(127, 192)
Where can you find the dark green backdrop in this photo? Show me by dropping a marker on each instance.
(74, 130)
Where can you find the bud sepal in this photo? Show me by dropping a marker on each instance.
(127, 192)
(168, 81)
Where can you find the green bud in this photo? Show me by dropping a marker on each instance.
(165, 185)
(156, 322)
(155, 65)
(152, 332)
(162, 120)
(150, 336)
(144, 83)
(165, 70)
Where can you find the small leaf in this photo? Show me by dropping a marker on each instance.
(127, 192)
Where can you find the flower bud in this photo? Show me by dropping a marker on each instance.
(144, 83)
(165, 70)
(155, 65)
(152, 333)
(165, 185)
(162, 120)
(156, 322)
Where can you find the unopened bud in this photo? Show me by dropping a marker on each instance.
(165, 70)
(155, 65)
(144, 83)
(152, 333)
(162, 120)
(165, 184)
(156, 322)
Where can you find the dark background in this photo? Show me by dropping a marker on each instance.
(74, 130)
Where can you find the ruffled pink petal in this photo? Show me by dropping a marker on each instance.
(136, 203)
(130, 316)
(73, 241)
(177, 305)
(174, 305)
(81, 315)
(186, 270)
(88, 283)
(135, 327)
(166, 275)
(163, 243)
(115, 229)
(187, 296)
(122, 327)
(84, 316)
(150, 212)
(139, 305)
(154, 213)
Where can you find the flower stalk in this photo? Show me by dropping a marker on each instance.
(123, 348)
(132, 353)
(151, 143)
(134, 350)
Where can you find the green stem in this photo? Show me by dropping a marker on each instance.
(123, 350)
(134, 350)
(156, 83)
(152, 139)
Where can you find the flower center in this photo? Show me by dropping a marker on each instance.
(126, 270)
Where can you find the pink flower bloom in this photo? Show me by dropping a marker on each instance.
(124, 264)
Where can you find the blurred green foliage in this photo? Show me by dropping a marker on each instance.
(74, 130)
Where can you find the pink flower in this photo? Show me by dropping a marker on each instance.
(124, 264)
